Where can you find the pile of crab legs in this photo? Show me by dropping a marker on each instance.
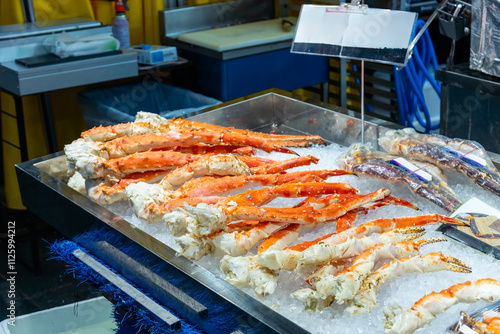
(152, 163)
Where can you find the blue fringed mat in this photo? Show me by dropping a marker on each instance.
(222, 318)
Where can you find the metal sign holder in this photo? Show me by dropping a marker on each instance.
(359, 32)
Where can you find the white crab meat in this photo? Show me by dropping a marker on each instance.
(194, 248)
(144, 197)
(237, 270)
(86, 157)
(312, 301)
(240, 242)
(151, 118)
(77, 182)
(209, 218)
(286, 259)
(263, 281)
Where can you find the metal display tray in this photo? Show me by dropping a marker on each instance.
(45, 192)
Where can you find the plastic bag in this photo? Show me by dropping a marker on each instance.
(66, 45)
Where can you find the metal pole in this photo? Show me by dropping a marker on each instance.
(48, 122)
(343, 83)
(426, 25)
(362, 101)
(28, 10)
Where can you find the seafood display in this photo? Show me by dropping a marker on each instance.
(362, 160)
(466, 156)
(270, 213)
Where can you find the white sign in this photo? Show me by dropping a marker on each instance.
(378, 35)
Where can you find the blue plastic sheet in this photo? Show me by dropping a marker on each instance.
(108, 106)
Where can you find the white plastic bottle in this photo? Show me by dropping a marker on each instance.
(120, 25)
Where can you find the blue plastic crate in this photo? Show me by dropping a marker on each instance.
(113, 105)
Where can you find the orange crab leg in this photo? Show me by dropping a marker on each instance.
(130, 129)
(285, 235)
(305, 245)
(252, 162)
(303, 215)
(385, 224)
(288, 234)
(265, 195)
(456, 291)
(222, 164)
(345, 222)
(275, 234)
(280, 166)
(134, 178)
(243, 225)
(180, 202)
(127, 145)
(144, 161)
(106, 133)
(195, 125)
(396, 201)
(214, 149)
(204, 186)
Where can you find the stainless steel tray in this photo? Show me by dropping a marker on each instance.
(44, 191)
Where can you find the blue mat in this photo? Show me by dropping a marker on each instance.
(223, 317)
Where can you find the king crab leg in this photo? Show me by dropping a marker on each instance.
(215, 149)
(102, 193)
(198, 126)
(151, 202)
(247, 271)
(345, 284)
(211, 219)
(151, 123)
(87, 157)
(127, 145)
(190, 227)
(209, 185)
(239, 243)
(346, 221)
(425, 310)
(318, 254)
(366, 299)
(210, 165)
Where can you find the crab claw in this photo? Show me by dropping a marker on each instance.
(237, 270)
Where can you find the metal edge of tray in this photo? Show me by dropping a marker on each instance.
(72, 214)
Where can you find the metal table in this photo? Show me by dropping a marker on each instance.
(25, 40)
(255, 62)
